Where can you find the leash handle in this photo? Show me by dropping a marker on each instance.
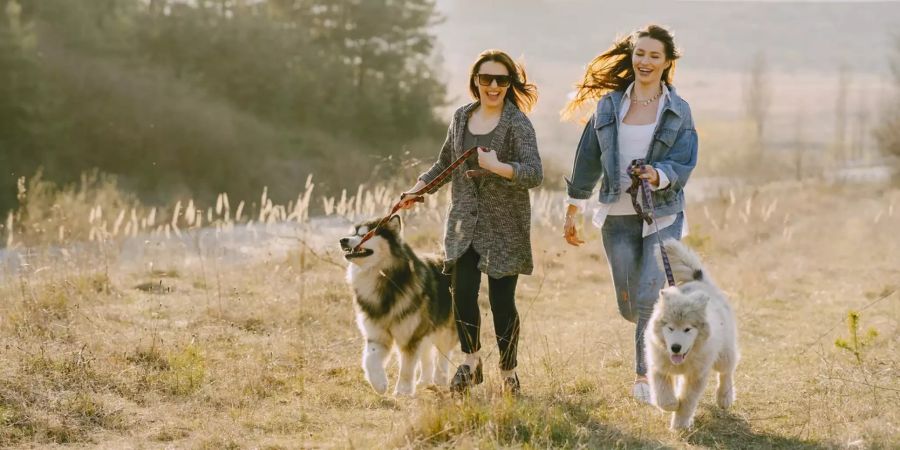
(477, 173)
(418, 194)
(648, 206)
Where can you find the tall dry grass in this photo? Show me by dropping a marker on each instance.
(190, 343)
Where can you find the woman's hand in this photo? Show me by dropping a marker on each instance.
(570, 231)
(407, 199)
(487, 159)
(650, 174)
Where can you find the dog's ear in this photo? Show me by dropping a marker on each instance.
(394, 223)
(699, 298)
(666, 293)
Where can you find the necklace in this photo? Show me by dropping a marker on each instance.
(648, 101)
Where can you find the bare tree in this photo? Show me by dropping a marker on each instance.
(800, 142)
(862, 127)
(758, 94)
(888, 133)
(840, 111)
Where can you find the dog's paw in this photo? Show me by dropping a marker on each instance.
(378, 382)
(669, 404)
(663, 397)
(425, 382)
(423, 385)
(725, 398)
(404, 390)
(681, 423)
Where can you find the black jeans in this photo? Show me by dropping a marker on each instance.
(466, 280)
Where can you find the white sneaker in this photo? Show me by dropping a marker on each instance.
(641, 391)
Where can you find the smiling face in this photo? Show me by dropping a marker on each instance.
(492, 94)
(649, 61)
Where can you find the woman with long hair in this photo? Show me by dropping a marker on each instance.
(638, 115)
(488, 229)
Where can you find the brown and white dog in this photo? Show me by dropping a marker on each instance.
(401, 301)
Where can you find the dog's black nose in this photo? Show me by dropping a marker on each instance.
(345, 243)
(676, 348)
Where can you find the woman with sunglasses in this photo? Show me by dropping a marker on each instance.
(638, 116)
(488, 229)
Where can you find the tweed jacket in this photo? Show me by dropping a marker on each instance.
(490, 213)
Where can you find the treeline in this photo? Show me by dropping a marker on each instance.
(888, 132)
(204, 96)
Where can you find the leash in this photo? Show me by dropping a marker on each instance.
(418, 194)
(646, 212)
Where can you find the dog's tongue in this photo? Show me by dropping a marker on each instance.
(677, 359)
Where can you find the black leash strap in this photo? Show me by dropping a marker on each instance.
(436, 181)
(646, 211)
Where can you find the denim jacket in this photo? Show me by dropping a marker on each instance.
(673, 151)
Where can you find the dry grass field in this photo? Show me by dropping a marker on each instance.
(230, 326)
(191, 348)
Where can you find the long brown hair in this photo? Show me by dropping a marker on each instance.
(522, 93)
(613, 70)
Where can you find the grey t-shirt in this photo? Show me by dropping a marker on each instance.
(476, 140)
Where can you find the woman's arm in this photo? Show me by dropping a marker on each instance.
(487, 159)
(445, 158)
(586, 172)
(443, 161)
(527, 172)
(588, 167)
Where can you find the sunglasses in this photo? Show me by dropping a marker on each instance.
(486, 79)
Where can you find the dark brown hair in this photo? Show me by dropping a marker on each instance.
(613, 70)
(522, 93)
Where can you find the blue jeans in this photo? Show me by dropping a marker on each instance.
(636, 274)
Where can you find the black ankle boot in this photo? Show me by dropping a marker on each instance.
(465, 378)
(511, 386)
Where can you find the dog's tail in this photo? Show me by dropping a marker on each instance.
(685, 263)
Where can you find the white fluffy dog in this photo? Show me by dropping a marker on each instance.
(691, 332)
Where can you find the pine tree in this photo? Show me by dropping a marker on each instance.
(18, 91)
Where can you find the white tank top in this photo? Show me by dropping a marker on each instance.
(633, 142)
